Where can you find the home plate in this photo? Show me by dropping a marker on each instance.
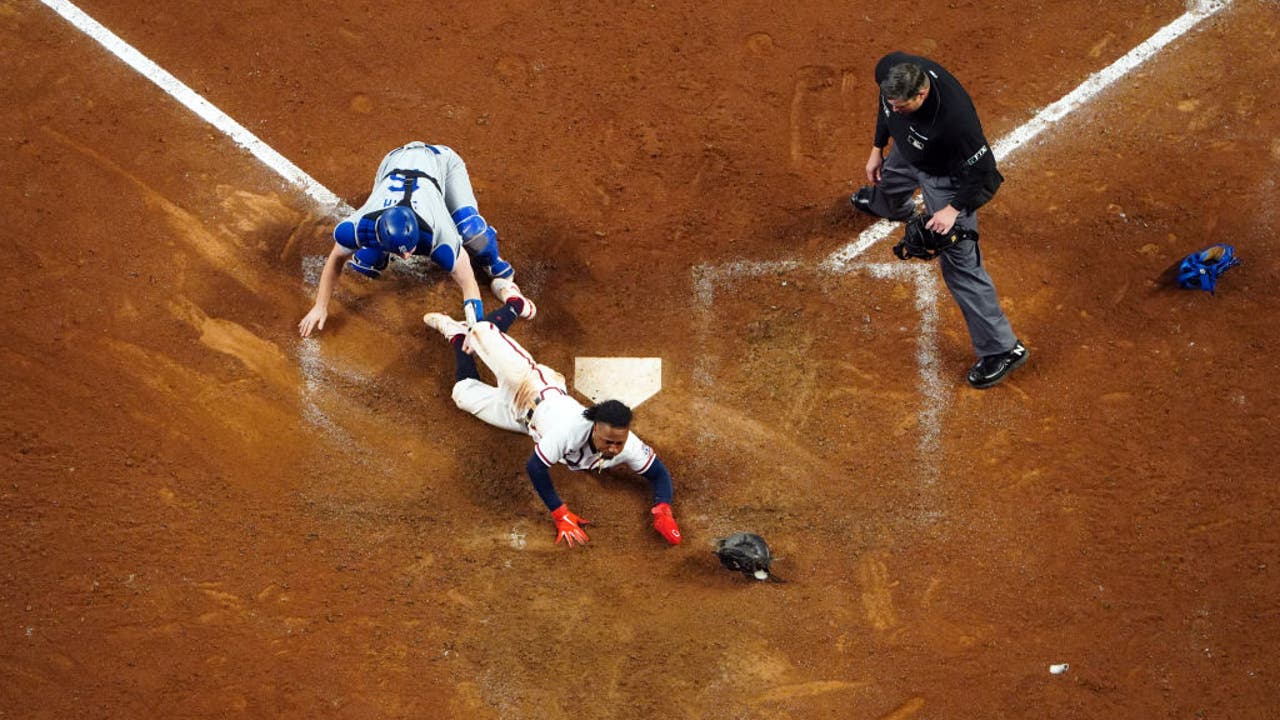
(631, 380)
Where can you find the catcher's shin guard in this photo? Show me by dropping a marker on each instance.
(481, 240)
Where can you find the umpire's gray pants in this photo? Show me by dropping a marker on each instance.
(962, 270)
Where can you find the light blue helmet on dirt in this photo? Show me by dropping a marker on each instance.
(397, 230)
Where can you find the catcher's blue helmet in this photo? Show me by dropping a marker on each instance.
(397, 230)
(1200, 270)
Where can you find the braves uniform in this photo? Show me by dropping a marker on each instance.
(432, 180)
(523, 384)
(563, 435)
(532, 398)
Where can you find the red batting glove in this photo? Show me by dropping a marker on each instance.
(569, 526)
(665, 524)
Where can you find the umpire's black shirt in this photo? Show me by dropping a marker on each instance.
(943, 137)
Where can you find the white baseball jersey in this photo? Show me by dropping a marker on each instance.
(557, 427)
(563, 435)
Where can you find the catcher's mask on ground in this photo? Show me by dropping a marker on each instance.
(746, 553)
(397, 230)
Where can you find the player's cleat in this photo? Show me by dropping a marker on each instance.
(505, 290)
(991, 369)
(861, 201)
(445, 325)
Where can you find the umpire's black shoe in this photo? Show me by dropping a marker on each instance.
(991, 369)
(861, 201)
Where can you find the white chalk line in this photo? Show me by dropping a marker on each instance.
(705, 277)
(936, 393)
(309, 360)
(292, 174)
(1054, 112)
(1102, 79)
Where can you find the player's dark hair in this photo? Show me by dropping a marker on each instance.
(903, 82)
(609, 412)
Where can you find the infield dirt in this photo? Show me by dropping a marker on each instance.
(204, 516)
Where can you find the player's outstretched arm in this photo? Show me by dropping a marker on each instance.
(568, 525)
(314, 319)
(663, 521)
(465, 277)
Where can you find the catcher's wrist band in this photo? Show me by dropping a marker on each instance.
(473, 310)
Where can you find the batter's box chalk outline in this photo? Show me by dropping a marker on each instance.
(705, 277)
(935, 393)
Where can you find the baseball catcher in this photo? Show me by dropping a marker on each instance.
(532, 399)
(918, 241)
(748, 554)
(422, 204)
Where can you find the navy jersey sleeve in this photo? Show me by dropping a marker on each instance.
(540, 476)
(660, 480)
(882, 125)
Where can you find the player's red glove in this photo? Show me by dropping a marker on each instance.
(665, 524)
(569, 526)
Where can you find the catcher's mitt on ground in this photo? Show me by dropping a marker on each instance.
(748, 554)
(920, 242)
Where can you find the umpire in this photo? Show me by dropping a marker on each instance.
(939, 147)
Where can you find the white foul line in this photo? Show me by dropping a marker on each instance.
(1054, 112)
(327, 200)
(1100, 80)
(309, 360)
(936, 392)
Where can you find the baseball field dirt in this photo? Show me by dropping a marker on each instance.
(205, 516)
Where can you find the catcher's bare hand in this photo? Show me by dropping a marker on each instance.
(314, 320)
